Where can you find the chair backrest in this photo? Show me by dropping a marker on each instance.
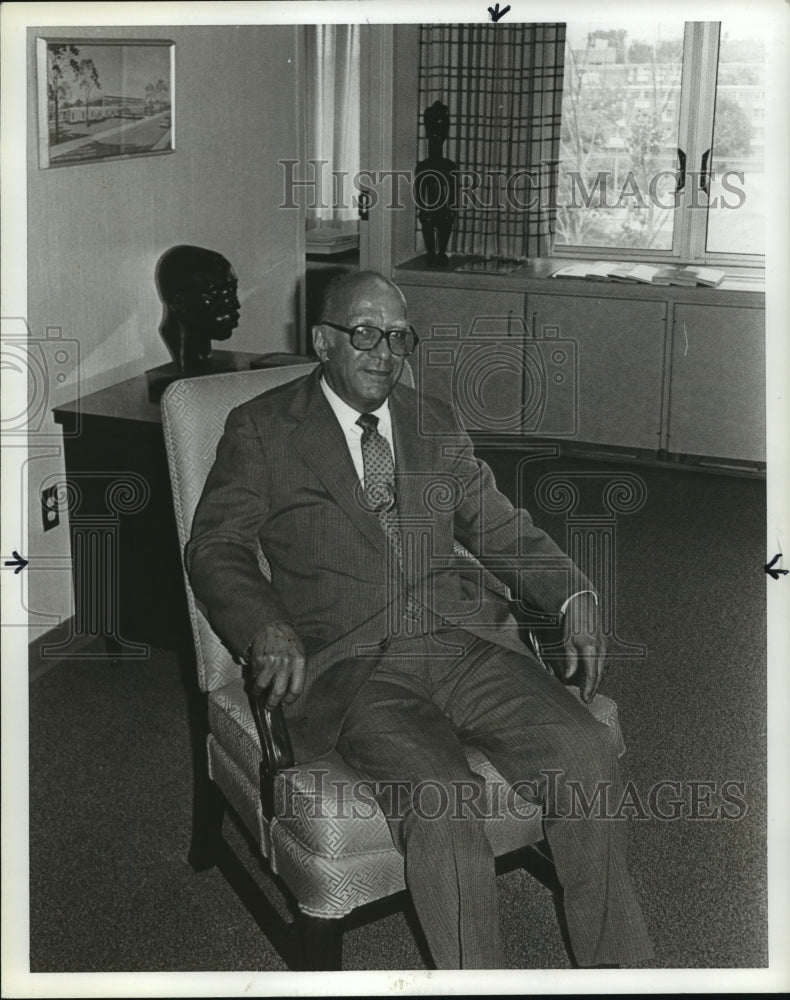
(194, 411)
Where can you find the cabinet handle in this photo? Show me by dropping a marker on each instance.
(534, 324)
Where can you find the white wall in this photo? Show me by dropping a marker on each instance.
(95, 231)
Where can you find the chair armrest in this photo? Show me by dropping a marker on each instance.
(276, 750)
(543, 638)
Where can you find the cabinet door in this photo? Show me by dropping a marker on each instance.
(717, 401)
(471, 352)
(618, 346)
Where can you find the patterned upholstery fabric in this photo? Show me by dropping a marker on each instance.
(333, 857)
(335, 850)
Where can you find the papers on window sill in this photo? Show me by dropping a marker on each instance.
(646, 274)
(491, 265)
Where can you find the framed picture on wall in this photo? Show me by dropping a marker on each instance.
(104, 100)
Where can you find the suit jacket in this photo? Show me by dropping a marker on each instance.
(284, 482)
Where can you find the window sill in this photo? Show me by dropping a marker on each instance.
(738, 268)
(536, 274)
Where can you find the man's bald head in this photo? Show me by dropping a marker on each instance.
(342, 291)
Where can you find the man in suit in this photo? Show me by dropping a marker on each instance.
(379, 641)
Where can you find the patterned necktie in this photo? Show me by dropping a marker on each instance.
(379, 472)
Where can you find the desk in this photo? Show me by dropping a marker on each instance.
(126, 565)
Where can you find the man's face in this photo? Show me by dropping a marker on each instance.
(210, 305)
(363, 379)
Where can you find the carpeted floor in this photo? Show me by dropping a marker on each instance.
(110, 779)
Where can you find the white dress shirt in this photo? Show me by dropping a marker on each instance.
(347, 417)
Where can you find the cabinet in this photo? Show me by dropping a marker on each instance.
(553, 366)
(669, 371)
(618, 345)
(471, 351)
(717, 384)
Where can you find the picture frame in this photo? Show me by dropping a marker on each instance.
(104, 100)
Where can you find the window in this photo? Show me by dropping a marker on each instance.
(662, 145)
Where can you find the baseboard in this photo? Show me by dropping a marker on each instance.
(38, 664)
(670, 461)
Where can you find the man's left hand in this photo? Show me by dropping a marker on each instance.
(584, 645)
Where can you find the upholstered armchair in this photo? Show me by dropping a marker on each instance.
(331, 861)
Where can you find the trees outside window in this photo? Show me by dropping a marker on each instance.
(661, 141)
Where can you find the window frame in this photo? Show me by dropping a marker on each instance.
(695, 135)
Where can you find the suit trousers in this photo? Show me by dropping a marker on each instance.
(405, 732)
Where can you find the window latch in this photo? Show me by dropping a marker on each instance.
(681, 170)
(704, 175)
(363, 204)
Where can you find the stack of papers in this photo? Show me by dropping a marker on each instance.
(647, 274)
(699, 276)
(328, 240)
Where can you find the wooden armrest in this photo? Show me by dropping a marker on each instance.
(276, 750)
(544, 635)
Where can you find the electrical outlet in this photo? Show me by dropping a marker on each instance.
(50, 514)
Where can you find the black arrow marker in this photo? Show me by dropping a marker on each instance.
(19, 561)
(496, 13)
(775, 573)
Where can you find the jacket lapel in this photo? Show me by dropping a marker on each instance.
(320, 441)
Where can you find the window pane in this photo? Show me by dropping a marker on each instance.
(736, 219)
(620, 117)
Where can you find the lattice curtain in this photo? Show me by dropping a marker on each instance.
(503, 86)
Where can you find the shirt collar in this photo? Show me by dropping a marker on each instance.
(347, 416)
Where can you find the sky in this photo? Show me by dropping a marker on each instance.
(125, 70)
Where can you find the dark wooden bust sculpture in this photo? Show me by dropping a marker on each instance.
(435, 187)
(199, 290)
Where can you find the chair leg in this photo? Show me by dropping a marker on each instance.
(322, 943)
(208, 812)
(208, 803)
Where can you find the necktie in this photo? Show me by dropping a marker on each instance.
(379, 472)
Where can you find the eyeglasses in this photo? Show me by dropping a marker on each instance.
(365, 338)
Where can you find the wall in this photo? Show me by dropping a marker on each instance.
(95, 232)
(406, 120)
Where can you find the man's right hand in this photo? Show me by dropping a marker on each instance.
(277, 658)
